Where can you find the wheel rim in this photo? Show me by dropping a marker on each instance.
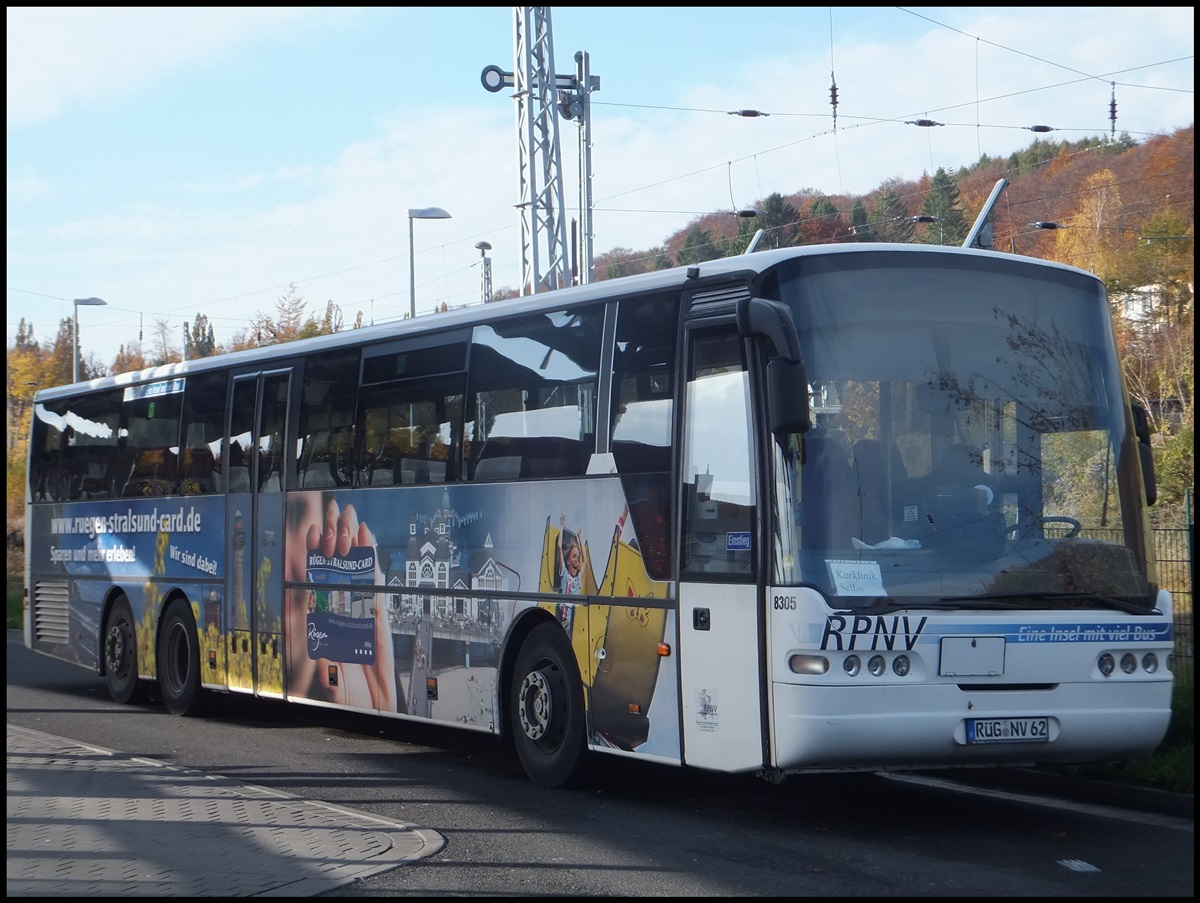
(117, 648)
(536, 705)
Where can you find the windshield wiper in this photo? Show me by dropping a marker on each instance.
(1110, 601)
(885, 604)
(994, 600)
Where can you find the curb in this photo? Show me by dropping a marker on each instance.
(1079, 789)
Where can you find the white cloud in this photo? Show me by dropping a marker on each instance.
(60, 57)
(28, 186)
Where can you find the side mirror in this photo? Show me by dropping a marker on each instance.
(1141, 428)
(787, 397)
(787, 377)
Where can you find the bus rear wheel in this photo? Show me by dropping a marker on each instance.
(546, 709)
(120, 656)
(179, 661)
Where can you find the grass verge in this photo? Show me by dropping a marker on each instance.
(1170, 767)
(14, 615)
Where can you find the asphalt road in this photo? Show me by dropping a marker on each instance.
(643, 830)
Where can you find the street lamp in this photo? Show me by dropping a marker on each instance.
(418, 213)
(86, 302)
(485, 276)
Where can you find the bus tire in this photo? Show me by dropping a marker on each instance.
(546, 709)
(121, 657)
(179, 661)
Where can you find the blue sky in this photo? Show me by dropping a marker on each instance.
(183, 160)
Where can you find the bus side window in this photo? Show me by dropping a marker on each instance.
(148, 451)
(197, 467)
(203, 433)
(410, 412)
(153, 472)
(327, 436)
(89, 464)
(532, 403)
(239, 464)
(718, 470)
(643, 404)
(48, 439)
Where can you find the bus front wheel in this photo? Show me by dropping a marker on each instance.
(121, 657)
(179, 661)
(546, 710)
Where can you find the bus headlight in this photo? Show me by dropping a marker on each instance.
(1106, 663)
(1128, 662)
(851, 665)
(901, 665)
(876, 665)
(1149, 662)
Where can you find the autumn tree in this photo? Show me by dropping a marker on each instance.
(740, 240)
(821, 222)
(779, 221)
(331, 321)
(890, 218)
(1164, 258)
(163, 349)
(1086, 239)
(617, 263)
(129, 358)
(658, 259)
(942, 204)
(199, 340)
(859, 226)
(287, 325)
(29, 369)
(1037, 155)
(698, 246)
(62, 358)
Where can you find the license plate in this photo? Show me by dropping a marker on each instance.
(1008, 730)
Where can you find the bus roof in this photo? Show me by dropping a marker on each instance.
(747, 266)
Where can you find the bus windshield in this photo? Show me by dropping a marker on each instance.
(971, 439)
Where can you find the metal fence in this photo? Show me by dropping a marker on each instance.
(1174, 551)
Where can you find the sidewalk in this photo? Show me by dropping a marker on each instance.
(85, 822)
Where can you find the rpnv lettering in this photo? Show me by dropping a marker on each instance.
(870, 633)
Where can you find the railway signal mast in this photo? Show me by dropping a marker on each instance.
(541, 97)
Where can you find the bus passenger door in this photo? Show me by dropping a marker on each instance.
(720, 658)
(254, 537)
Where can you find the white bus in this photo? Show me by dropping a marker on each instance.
(846, 507)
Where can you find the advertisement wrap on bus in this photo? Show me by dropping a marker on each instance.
(430, 655)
